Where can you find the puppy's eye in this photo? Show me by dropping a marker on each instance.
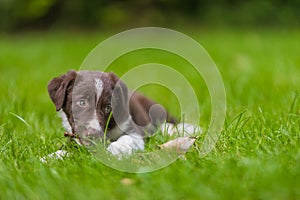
(81, 103)
(107, 109)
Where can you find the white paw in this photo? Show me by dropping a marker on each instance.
(125, 145)
(187, 129)
(183, 129)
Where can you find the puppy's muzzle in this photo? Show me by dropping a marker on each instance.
(88, 136)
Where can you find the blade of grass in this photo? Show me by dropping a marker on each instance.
(20, 118)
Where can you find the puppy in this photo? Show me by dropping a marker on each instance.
(97, 105)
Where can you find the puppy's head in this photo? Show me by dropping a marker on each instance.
(86, 98)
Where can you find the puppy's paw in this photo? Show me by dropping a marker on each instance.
(187, 129)
(182, 129)
(125, 145)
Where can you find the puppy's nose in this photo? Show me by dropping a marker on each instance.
(84, 130)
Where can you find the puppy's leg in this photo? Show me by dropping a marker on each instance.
(126, 144)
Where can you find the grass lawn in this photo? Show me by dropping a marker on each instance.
(256, 157)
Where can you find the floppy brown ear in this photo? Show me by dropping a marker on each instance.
(113, 77)
(57, 88)
(120, 102)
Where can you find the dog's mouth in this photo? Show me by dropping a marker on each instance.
(85, 139)
(74, 137)
(71, 135)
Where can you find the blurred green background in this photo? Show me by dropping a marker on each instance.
(16, 15)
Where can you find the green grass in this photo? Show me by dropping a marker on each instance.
(256, 157)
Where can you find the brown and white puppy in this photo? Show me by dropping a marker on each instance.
(86, 100)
